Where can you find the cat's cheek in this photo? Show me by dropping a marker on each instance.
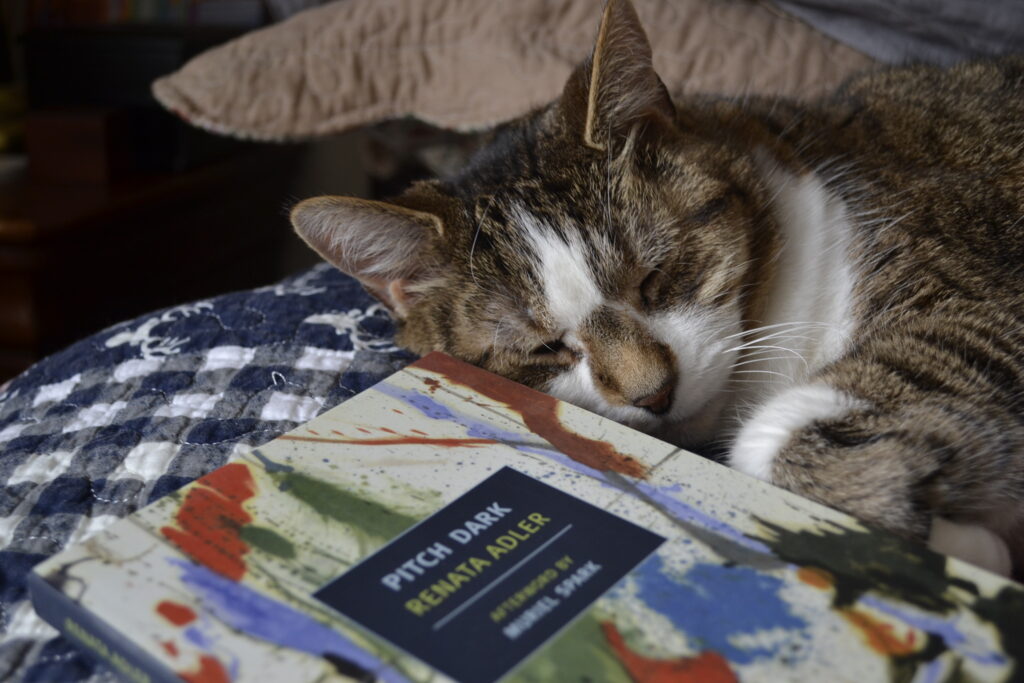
(700, 341)
(574, 386)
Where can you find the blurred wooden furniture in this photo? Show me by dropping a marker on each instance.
(76, 258)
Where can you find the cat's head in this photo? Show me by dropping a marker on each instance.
(599, 249)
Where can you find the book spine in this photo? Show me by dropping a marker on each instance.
(94, 636)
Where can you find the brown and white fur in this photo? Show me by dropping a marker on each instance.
(831, 289)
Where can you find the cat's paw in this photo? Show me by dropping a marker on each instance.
(774, 425)
(971, 543)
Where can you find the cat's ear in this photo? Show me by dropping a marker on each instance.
(617, 87)
(382, 245)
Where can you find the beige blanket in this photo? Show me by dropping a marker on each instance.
(467, 64)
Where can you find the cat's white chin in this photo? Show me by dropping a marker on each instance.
(697, 429)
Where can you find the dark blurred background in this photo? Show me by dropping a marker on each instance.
(110, 206)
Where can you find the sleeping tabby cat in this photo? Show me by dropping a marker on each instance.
(832, 289)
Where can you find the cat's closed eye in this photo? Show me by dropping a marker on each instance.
(549, 348)
(649, 287)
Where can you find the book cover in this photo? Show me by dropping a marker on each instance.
(450, 524)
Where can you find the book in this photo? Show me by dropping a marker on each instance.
(450, 524)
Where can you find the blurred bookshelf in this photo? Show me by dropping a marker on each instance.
(245, 14)
(110, 206)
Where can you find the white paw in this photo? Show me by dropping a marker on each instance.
(774, 423)
(971, 543)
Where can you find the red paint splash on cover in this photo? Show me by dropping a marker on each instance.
(414, 440)
(210, 671)
(707, 667)
(169, 647)
(176, 613)
(881, 636)
(813, 576)
(211, 518)
(539, 412)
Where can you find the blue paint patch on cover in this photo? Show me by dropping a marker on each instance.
(943, 627)
(262, 617)
(713, 604)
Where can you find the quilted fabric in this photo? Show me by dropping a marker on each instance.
(467, 64)
(136, 411)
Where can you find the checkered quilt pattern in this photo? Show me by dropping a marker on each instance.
(121, 418)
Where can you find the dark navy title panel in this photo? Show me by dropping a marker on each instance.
(482, 583)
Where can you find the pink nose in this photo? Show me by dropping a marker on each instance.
(659, 401)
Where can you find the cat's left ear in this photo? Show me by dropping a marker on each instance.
(384, 245)
(617, 87)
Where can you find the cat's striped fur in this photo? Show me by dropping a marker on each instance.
(833, 288)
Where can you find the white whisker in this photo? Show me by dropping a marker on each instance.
(759, 360)
(769, 327)
(472, 248)
(766, 372)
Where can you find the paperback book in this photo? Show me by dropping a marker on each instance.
(448, 524)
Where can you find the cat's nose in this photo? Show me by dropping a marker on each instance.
(659, 401)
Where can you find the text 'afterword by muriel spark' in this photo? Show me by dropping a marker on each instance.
(417, 569)
(545, 604)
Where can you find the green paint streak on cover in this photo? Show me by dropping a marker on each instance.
(579, 653)
(863, 560)
(1003, 611)
(268, 540)
(343, 506)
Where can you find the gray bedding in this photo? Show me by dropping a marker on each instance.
(934, 31)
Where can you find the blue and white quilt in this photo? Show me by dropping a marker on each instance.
(121, 418)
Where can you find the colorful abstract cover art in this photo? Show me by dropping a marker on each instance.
(218, 581)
